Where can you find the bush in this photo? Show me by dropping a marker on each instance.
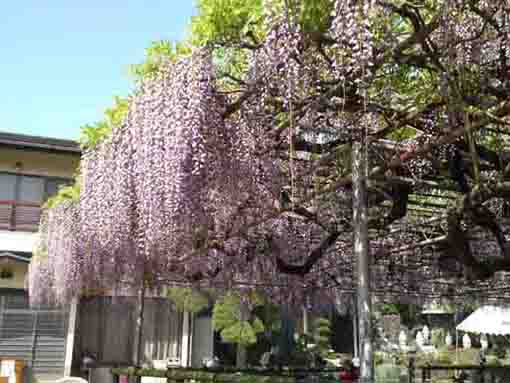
(378, 358)
(437, 337)
(388, 373)
(492, 360)
(445, 357)
(498, 351)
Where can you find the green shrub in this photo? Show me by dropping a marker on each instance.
(445, 357)
(437, 337)
(388, 373)
(378, 358)
(499, 352)
(469, 356)
(492, 360)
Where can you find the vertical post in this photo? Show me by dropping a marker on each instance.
(2, 309)
(456, 344)
(34, 336)
(186, 336)
(361, 253)
(355, 328)
(17, 192)
(190, 340)
(71, 328)
(410, 372)
(139, 327)
(241, 349)
(306, 324)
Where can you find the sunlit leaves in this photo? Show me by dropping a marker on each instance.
(92, 134)
(227, 21)
(65, 193)
(186, 299)
(315, 15)
(156, 54)
(227, 319)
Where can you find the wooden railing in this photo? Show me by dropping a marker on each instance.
(19, 215)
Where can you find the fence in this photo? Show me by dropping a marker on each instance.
(458, 373)
(231, 375)
(37, 337)
(107, 327)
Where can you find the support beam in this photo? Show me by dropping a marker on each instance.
(361, 254)
(137, 357)
(71, 329)
(186, 340)
(306, 324)
(355, 328)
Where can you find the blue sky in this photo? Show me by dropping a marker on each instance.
(63, 61)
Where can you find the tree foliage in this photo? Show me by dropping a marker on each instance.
(233, 328)
(190, 300)
(229, 166)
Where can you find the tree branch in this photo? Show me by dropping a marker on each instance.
(312, 259)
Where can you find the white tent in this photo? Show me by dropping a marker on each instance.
(490, 320)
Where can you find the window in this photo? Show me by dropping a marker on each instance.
(31, 189)
(53, 184)
(7, 187)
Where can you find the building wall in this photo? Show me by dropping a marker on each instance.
(202, 340)
(39, 163)
(19, 269)
(106, 329)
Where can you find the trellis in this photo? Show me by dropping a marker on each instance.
(304, 145)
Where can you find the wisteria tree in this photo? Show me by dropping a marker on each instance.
(251, 154)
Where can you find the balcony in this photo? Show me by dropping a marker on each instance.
(19, 215)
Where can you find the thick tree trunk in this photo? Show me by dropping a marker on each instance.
(137, 357)
(361, 253)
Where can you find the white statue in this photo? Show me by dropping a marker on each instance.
(426, 334)
(466, 341)
(402, 339)
(448, 340)
(484, 342)
(419, 339)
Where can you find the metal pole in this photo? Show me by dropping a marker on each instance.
(71, 330)
(361, 253)
(139, 327)
(355, 329)
(305, 321)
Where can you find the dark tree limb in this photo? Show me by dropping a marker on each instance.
(457, 240)
(311, 260)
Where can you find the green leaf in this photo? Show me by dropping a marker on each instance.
(226, 312)
(258, 326)
(241, 332)
(186, 299)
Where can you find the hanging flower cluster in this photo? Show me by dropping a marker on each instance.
(248, 187)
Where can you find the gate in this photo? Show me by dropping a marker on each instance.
(38, 337)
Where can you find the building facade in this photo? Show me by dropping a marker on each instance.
(31, 170)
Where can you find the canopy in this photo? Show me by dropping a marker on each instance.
(487, 320)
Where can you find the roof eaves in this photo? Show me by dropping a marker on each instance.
(36, 142)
